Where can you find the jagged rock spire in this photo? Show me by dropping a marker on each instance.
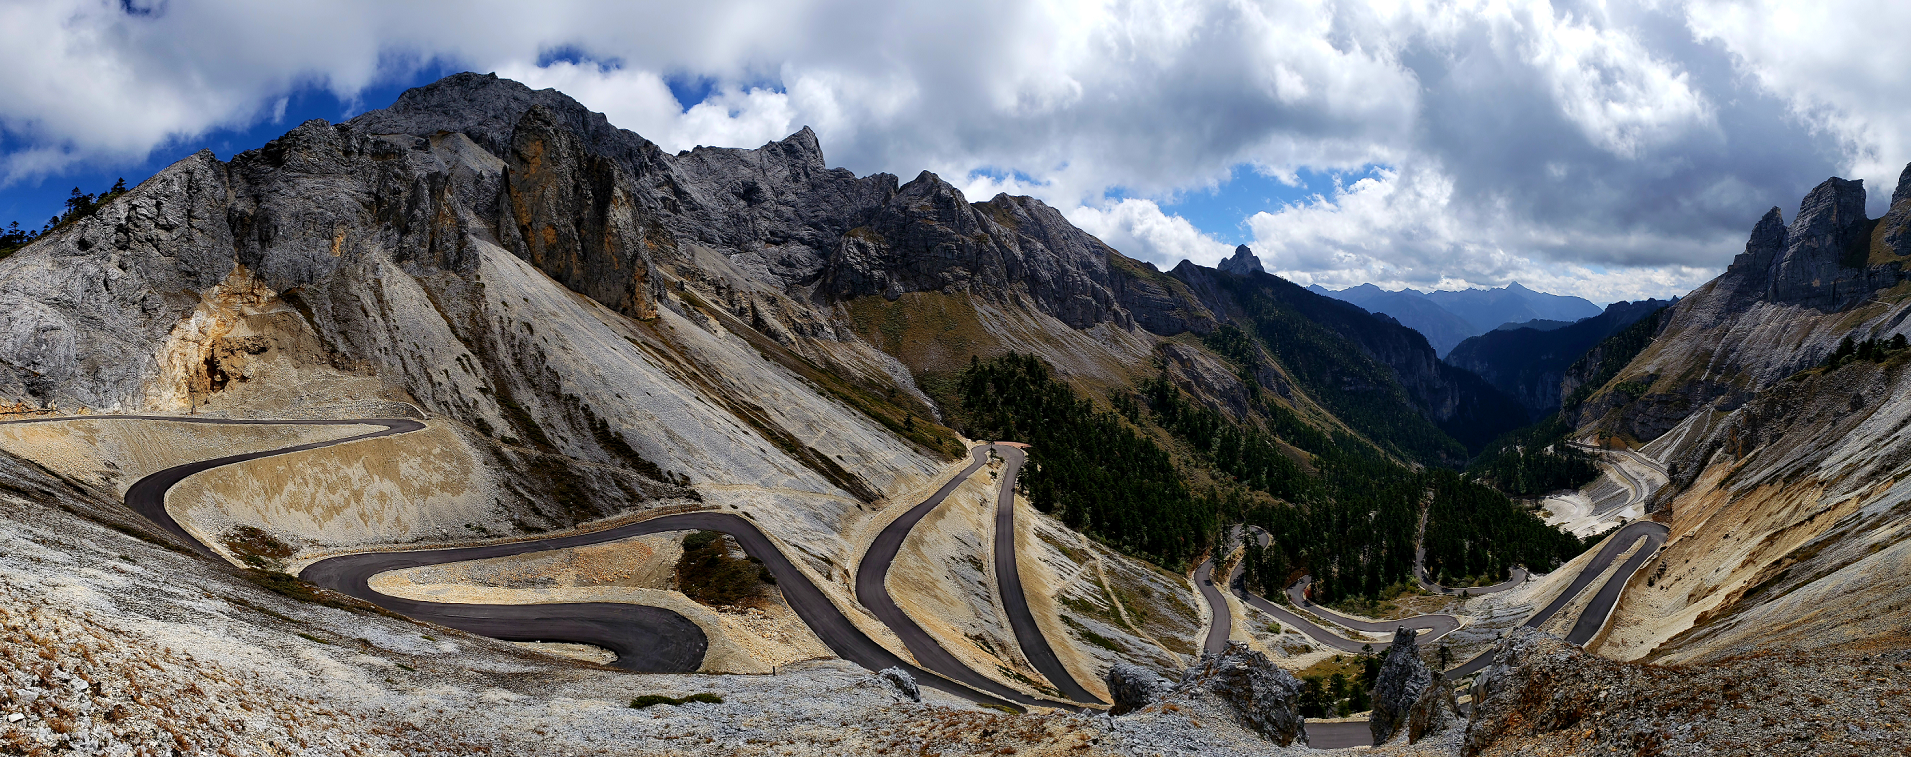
(1244, 262)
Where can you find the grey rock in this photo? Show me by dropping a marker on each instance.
(1133, 687)
(904, 683)
(1434, 712)
(1403, 679)
(1825, 248)
(1243, 262)
(1262, 697)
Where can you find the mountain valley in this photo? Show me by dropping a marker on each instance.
(478, 425)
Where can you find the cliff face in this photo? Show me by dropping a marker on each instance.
(1781, 306)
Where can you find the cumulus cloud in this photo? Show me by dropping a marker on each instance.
(1140, 228)
(1611, 148)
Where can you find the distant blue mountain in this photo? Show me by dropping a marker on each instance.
(1448, 318)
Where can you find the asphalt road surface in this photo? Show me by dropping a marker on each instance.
(870, 589)
(1220, 622)
(1008, 577)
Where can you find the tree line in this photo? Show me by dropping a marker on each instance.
(1352, 520)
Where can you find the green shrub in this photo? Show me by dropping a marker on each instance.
(709, 574)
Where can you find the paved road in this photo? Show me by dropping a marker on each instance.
(1435, 625)
(1008, 578)
(1220, 622)
(1339, 735)
(870, 589)
(645, 638)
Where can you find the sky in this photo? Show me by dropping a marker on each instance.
(1611, 150)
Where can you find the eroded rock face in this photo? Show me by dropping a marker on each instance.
(1261, 697)
(1133, 687)
(1777, 310)
(1435, 711)
(1403, 679)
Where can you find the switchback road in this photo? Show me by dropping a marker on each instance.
(874, 594)
(1008, 577)
(647, 639)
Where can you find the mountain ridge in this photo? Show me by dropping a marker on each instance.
(1448, 317)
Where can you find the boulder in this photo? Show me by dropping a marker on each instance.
(1133, 687)
(1261, 697)
(1403, 678)
(904, 683)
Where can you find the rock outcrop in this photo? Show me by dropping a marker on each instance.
(1243, 262)
(1259, 696)
(1403, 680)
(904, 683)
(1434, 712)
(1543, 695)
(1782, 305)
(1133, 687)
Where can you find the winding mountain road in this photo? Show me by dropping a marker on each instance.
(645, 639)
(652, 639)
(1590, 621)
(1220, 619)
(1008, 577)
(871, 590)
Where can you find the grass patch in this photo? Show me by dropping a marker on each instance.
(649, 700)
(709, 574)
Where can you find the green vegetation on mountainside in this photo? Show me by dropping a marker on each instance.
(707, 573)
(1095, 473)
(1350, 520)
(1306, 337)
(1476, 532)
(1604, 361)
(78, 205)
(1535, 460)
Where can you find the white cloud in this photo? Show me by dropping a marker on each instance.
(1141, 230)
(1838, 63)
(1398, 230)
(1595, 142)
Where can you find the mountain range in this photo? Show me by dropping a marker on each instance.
(1447, 317)
(1530, 363)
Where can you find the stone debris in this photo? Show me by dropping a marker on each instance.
(1548, 698)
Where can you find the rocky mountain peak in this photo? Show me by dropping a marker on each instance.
(1764, 246)
(801, 147)
(1403, 678)
(1244, 262)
